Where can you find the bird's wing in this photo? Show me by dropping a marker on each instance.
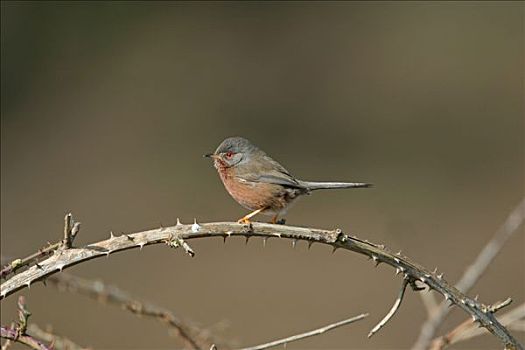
(269, 171)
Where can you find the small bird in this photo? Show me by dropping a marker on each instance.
(259, 183)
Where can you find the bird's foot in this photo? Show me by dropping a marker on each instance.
(278, 222)
(244, 220)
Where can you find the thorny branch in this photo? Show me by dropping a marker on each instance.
(190, 335)
(337, 239)
(473, 273)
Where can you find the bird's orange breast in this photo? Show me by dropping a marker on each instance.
(252, 195)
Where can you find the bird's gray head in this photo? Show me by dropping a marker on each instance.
(232, 151)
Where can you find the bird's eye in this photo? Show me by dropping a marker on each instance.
(229, 154)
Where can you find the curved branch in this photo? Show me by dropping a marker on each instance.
(176, 236)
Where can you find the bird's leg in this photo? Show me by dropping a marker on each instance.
(246, 219)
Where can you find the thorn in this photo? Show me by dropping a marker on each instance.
(381, 246)
(463, 301)
(405, 275)
(310, 244)
(294, 242)
(377, 263)
(435, 271)
(264, 242)
(178, 223)
(131, 238)
(334, 248)
(447, 296)
(398, 253)
(476, 297)
(39, 266)
(247, 239)
(141, 245)
(161, 227)
(111, 236)
(28, 284)
(398, 270)
(440, 276)
(195, 227)
(423, 279)
(397, 260)
(224, 238)
(475, 318)
(374, 257)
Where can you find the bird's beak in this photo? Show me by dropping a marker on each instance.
(210, 155)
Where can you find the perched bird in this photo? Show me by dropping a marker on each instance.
(259, 183)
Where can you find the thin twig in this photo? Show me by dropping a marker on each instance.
(12, 335)
(336, 238)
(18, 332)
(102, 292)
(59, 342)
(473, 273)
(392, 311)
(306, 334)
(469, 329)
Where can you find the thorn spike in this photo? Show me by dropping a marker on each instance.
(310, 244)
(178, 223)
(264, 241)
(294, 242)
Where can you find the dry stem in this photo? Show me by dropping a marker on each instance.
(312, 333)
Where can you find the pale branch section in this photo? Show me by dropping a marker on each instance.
(304, 335)
(514, 220)
(96, 289)
(178, 234)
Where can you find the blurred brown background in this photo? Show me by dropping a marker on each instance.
(108, 107)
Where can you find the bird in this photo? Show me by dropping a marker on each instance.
(259, 183)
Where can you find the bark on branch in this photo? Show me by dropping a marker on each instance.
(177, 235)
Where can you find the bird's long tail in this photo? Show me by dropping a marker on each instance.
(312, 185)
